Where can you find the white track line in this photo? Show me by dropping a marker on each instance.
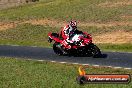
(96, 65)
(109, 66)
(84, 64)
(53, 61)
(75, 63)
(62, 62)
(34, 46)
(40, 60)
(29, 59)
(117, 67)
(128, 68)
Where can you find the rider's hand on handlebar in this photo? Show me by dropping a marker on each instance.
(49, 40)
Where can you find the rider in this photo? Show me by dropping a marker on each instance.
(68, 31)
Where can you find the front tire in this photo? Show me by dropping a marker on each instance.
(57, 49)
(95, 50)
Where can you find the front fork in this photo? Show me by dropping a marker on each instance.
(61, 48)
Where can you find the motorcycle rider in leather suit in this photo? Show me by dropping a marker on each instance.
(68, 31)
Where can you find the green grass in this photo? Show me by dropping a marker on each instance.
(83, 10)
(27, 34)
(116, 47)
(17, 73)
(36, 35)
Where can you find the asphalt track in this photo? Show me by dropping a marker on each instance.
(115, 59)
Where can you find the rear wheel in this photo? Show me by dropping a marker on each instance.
(57, 49)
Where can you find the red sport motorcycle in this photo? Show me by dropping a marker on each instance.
(81, 46)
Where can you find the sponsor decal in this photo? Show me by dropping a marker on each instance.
(102, 78)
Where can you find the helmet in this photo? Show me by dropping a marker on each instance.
(70, 28)
(73, 24)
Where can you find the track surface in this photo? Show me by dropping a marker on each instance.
(115, 59)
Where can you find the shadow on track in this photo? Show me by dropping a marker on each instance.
(99, 56)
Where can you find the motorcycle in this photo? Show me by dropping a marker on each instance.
(81, 45)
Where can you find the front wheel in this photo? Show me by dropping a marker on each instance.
(57, 49)
(95, 50)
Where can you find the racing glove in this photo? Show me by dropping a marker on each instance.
(49, 40)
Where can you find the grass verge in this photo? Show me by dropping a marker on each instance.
(86, 11)
(116, 47)
(83, 10)
(17, 73)
(36, 35)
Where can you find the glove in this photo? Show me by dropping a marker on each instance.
(49, 40)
